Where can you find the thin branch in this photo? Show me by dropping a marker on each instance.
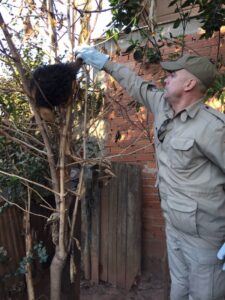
(36, 192)
(126, 154)
(81, 176)
(74, 217)
(23, 133)
(46, 207)
(83, 11)
(96, 19)
(30, 181)
(21, 208)
(18, 141)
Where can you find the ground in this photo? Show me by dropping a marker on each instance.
(146, 289)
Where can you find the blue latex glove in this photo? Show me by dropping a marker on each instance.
(91, 56)
(221, 255)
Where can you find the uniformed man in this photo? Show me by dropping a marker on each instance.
(190, 150)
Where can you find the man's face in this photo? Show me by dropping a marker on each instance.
(174, 85)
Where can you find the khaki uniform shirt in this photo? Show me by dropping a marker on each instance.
(191, 159)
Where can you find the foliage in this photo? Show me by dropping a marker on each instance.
(4, 258)
(218, 89)
(126, 14)
(143, 53)
(23, 265)
(41, 252)
(211, 13)
(15, 160)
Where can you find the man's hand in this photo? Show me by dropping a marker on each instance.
(91, 56)
(221, 255)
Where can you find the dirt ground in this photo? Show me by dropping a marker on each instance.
(145, 289)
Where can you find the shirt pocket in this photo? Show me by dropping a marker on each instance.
(181, 152)
(183, 216)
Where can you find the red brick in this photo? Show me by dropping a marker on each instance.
(149, 190)
(152, 204)
(148, 180)
(152, 213)
(153, 197)
(154, 248)
(154, 232)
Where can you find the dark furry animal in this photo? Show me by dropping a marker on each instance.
(51, 85)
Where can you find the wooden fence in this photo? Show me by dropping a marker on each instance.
(111, 227)
(12, 240)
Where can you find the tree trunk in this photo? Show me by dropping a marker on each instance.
(28, 244)
(56, 269)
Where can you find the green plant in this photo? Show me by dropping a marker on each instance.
(218, 89)
(211, 14)
(126, 14)
(4, 258)
(41, 252)
(143, 53)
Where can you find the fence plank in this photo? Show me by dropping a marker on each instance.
(95, 230)
(133, 225)
(121, 226)
(104, 215)
(112, 228)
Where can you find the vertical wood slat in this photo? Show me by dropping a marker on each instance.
(112, 274)
(104, 234)
(133, 225)
(121, 226)
(95, 230)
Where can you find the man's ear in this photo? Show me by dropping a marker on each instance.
(190, 84)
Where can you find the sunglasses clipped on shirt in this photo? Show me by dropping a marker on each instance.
(162, 130)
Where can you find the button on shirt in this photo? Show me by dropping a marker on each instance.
(190, 158)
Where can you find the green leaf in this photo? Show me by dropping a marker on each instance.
(172, 3)
(127, 30)
(4, 258)
(130, 48)
(138, 54)
(176, 23)
(41, 252)
(188, 3)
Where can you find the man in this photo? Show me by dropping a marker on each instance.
(190, 150)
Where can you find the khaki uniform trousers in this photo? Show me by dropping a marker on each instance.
(195, 271)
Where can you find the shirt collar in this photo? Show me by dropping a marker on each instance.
(190, 111)
(194, 108)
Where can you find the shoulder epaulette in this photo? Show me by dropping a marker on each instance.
(220, 116)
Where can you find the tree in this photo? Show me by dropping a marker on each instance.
(53, 151)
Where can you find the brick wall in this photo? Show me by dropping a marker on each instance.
(136, 146)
